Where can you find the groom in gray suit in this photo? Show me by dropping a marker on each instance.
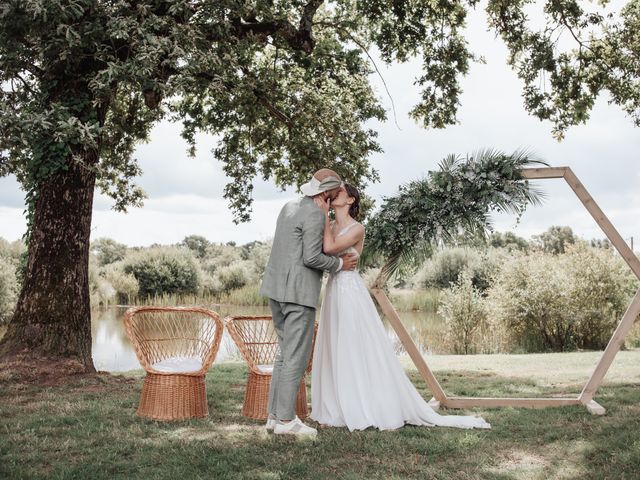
(292, 281)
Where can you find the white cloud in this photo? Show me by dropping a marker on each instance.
(170, 219)
(186, 194)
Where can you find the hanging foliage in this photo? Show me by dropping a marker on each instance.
(455, 200)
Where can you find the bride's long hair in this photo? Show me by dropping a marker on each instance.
(354, 208)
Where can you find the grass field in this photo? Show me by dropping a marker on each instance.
(85, 427)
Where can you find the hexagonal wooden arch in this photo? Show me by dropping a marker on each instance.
(585, 398)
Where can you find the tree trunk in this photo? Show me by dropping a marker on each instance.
(53, 314)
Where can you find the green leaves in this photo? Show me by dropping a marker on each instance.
(573, 58)
(284, 85)
(452, 202)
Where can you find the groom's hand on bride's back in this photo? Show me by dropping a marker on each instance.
(349, 261)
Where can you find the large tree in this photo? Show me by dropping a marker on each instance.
(283, 83)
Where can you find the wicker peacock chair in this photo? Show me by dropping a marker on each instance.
(176, 346)
(257, 341)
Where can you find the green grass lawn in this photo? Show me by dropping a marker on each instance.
(87, 429)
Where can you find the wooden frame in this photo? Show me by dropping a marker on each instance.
(585, 398)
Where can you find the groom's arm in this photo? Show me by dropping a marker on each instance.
(312, 256)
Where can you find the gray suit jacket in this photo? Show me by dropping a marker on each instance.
(294, 270)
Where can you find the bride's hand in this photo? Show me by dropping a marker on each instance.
(325, 205)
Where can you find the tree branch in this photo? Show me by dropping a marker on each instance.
(300, 38)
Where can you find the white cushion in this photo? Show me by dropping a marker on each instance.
(178, 365)
(265, 368)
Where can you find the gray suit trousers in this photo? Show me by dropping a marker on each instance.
(294, 326)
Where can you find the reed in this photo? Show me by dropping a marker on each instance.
(246, 296)
(249, 295)
(422, 300)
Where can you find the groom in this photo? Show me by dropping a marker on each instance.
(292, 280)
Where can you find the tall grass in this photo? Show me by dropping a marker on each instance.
(171, 299)
(422, 300)
(246, 296)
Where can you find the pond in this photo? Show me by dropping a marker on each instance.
(113, 352)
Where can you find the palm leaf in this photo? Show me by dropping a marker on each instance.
(457, 197)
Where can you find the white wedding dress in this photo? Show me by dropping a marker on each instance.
(357, 380)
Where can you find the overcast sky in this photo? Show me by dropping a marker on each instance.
(185, 195)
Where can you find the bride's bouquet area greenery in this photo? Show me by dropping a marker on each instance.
(452, 202)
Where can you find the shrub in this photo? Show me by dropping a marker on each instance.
(12, 250)
(507, 240)
(529, 301)
(125, 285)
(164, 270)
(467, 325)
(487, 266)
(561, 302)
(220, 255)
(369, 276)
(633, 339)
(14, 253)
(444, 267)
(233, 277)
(258, 256)
(211, 284)
(108, 250)
(101, 292)
(8, 289)
(197, 244)
(601, 291)
(555, 240)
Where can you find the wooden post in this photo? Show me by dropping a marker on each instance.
(603, 222)
(616, 342)
(409, 346)
(614, 345)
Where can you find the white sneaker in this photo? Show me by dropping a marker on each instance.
(294, 427)
(271, 423)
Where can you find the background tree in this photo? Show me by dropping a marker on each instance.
(601, 243)
(283, 83)
(555, 240)
(197, 244)
(508, 240)
(108, 250)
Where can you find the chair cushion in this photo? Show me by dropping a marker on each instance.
(178, 365)
(265, 368)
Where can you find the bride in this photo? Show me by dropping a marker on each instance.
(357, 380)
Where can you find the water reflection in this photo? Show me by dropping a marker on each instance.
(113, 352)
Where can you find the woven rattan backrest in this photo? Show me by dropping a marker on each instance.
(158, 333)
(255, 337)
